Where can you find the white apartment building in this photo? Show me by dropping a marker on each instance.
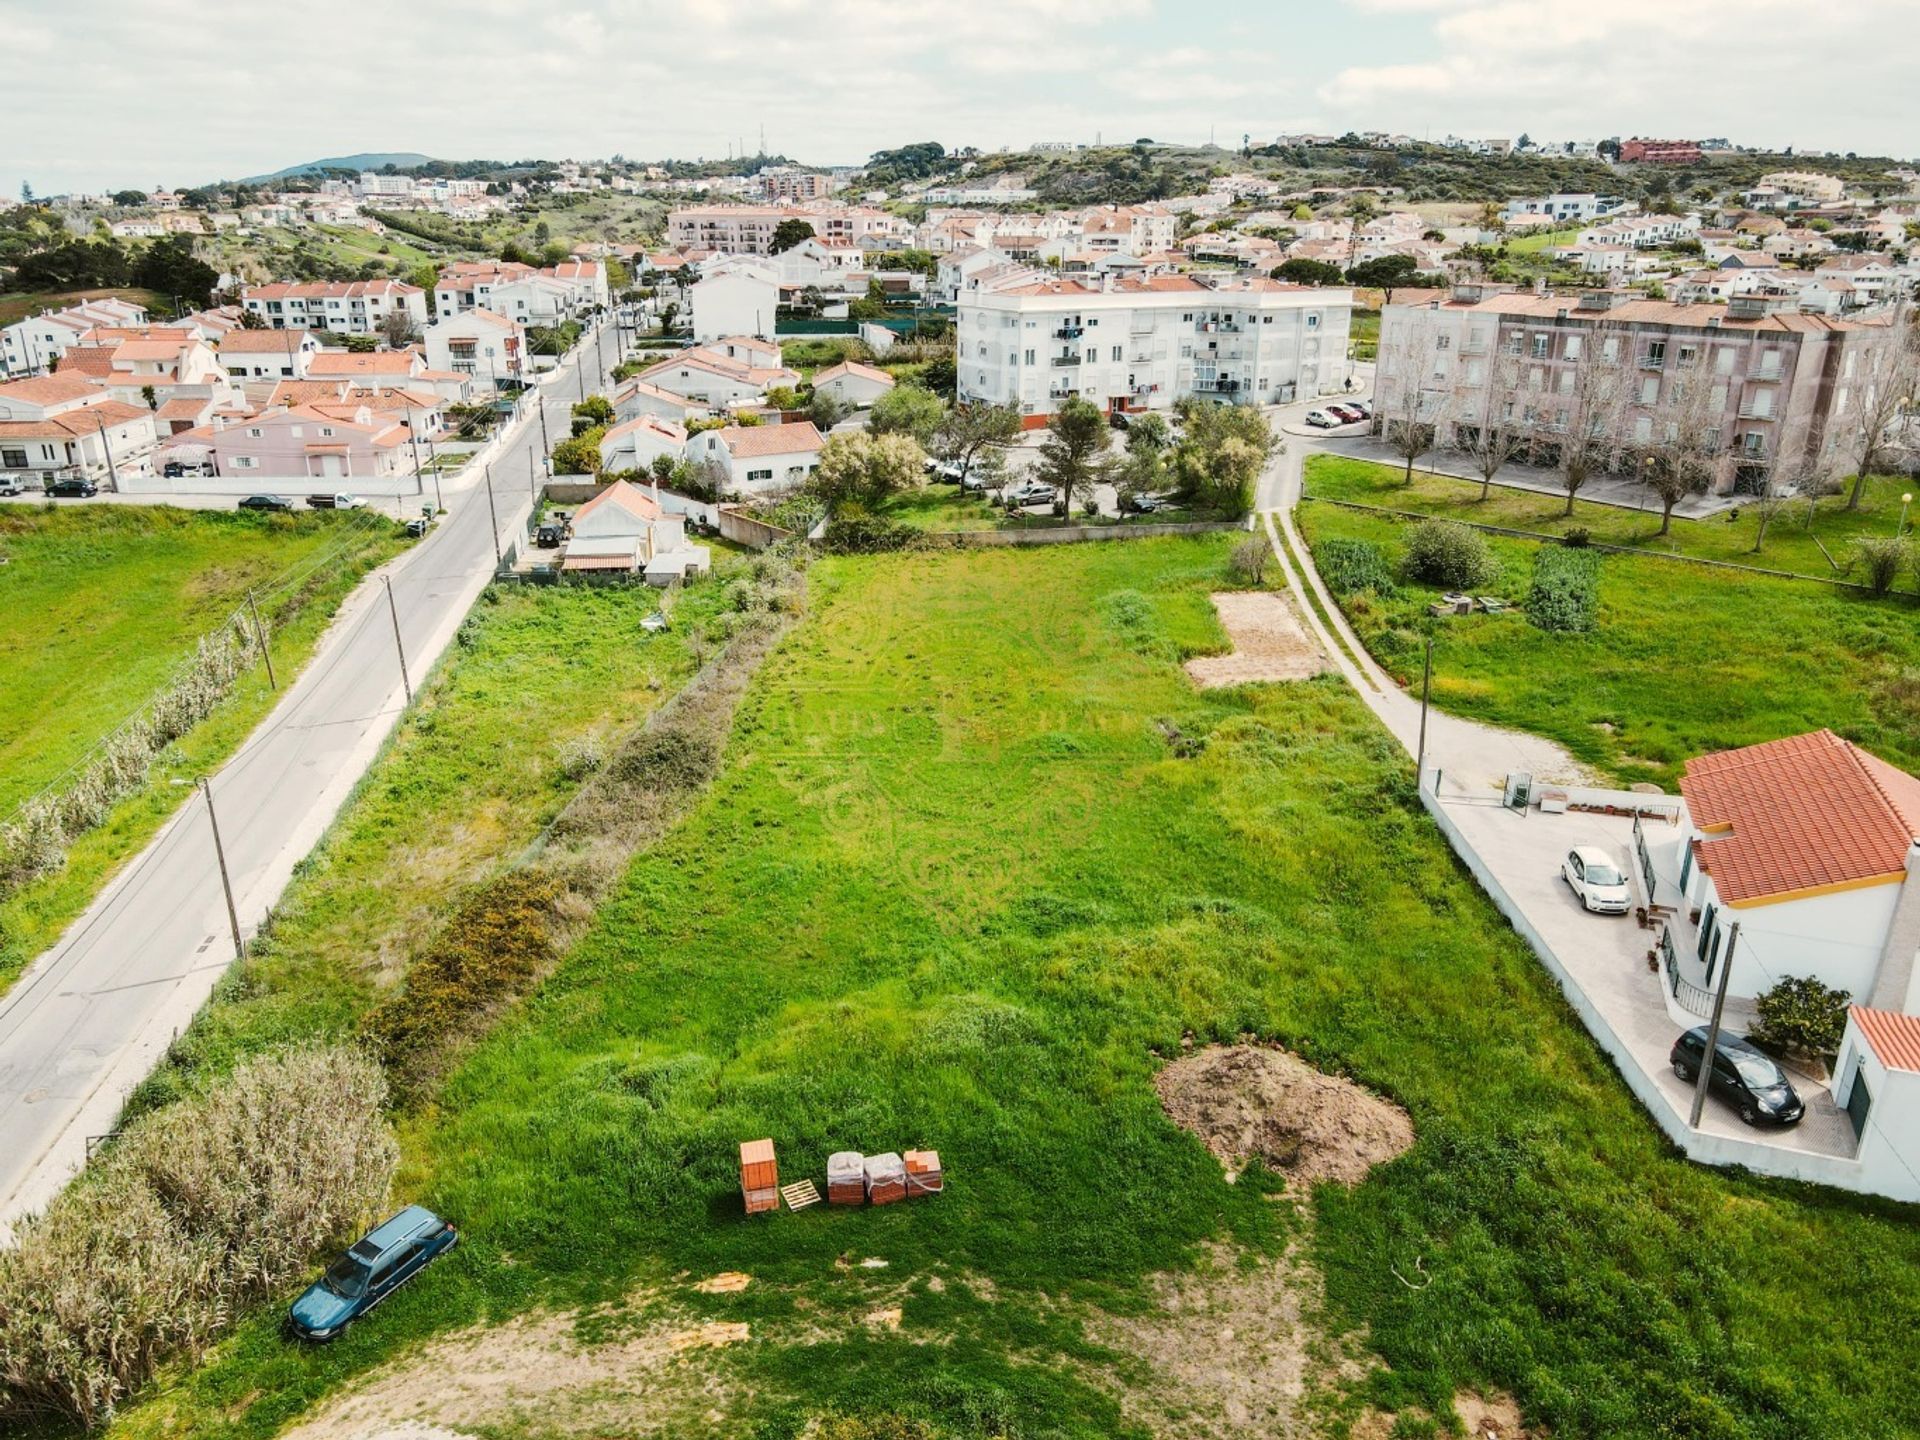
(1141, 344)
(1643, 232)
(788, 182)
(347, 307)
(532, 296)
(1562, 207)
(749, 229)
(34, 345)
(479, 343)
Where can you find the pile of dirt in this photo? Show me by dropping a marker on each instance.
(1251, 1100)
(1269, 642)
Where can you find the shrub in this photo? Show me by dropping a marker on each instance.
(1448, 554)
(1881, 559)
(1349, 566)
(1249, 559)
(1578, 538)
(201, 1208)
(1565, 591)
(580, 757)
(866, 535)
(1802, 1015)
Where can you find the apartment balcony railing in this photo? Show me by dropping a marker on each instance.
(1066, 360)
(1069, 332)
(1223, 327)
(1749, 412)
(1653, 362)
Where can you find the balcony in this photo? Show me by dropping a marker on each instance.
(1653, 362)
(1065, 360)
(1069, 332)
(1220, 327)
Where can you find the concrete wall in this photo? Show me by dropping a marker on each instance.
(1074, 534)
(743, 529)
(1854, 1175)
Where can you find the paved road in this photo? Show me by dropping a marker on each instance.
(93, 1015)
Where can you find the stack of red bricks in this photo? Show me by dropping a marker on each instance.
(846, 1178)
(759, 1176)
(886, 1179)
(923, 1173)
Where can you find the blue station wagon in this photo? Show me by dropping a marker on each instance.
(376, 1266)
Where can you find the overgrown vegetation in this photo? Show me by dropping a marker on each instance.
(1448, 555)
(1565, 590)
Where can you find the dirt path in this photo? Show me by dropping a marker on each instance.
(1269, 642)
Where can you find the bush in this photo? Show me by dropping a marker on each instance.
(866, 535)
(1565, 592)
(1249, 559)
(201, 1208)
(1448, 554)
(1881, 559)
(1801, 1015)
(1349, 566)
(1578, 538)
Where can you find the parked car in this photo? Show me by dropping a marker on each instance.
(1032, 492)
(1345, 414)
(973, 481)
(335, 502)
(1364, 407)
(1138, 504)
(950, 472)
(71, 487)
(174, 469)
(1118, 419)
(418, 527)
(13, 484)
(1743, 1075)
(1321, 420)
(1596, 881)
(549, 536)
(266, 502)
(377, 1265)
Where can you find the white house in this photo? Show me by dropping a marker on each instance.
(348, 307)
(735, 299)
(1812, 846)
(639, 397)
(34, 345)
(268, 354)
(635, 444)
(1561, 207)
(479, 343)
(852, 383)
(759, 459)
(66, 422)
(1033, 340)
(1876, 1080)
(622, 528)
(716, 379)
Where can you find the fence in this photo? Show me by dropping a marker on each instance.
(743, 529)
(1077, 534)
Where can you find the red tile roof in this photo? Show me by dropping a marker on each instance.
(1805, 813)
(743, 441)
(622, 496)
(1895, 1038)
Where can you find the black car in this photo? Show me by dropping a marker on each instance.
(70, 487)
(1743, 1075)
(266, 502)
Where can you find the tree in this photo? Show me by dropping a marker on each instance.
(1588, 426)
(1885, 378)
(826, 410)
(129, 198)
(579, 454)
(1218, 464)
(1499, 433)
(789, 233)
(908, 410)
(866, 469)
(966, 430)
(1801, 1014)
(1384, 272)
(592, 411)
(1302, 271)
(1411, 411)
(1688, 425)
(1070, 455)
(397, 329)
(151, 396)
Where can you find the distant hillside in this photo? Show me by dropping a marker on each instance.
(368, 161)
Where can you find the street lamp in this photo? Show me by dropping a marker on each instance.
(1905, 501)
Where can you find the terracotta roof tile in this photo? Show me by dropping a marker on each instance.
(1799, 814)
(1895, 1038)
(746, 441)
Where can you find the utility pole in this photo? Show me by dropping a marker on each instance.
(1713, 1030)
(220, 857)
(533, 480)
(540, 404)
(600, 349)
(1426, 688)
(413, 441)
(260, 638)
(399, 648)
(486, 478)
(113, 474)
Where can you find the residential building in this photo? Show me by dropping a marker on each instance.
(337, 443)
(711, 376)
(477, 342)
(1876, 1081)
(346, 307)
(852, 383)
(66, 423)
(626, 528)
(749, 229)
(523, 293)
(736, 298)
(759, 459)
(1792, 189)
(33, 346)
(1642, 232)
(1778, 379)
(1563, 208)
(1032, 340)
(639, 397)
(1659, 152)
(788, 182)
(268, 354)
(635, 444)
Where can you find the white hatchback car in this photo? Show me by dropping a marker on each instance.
(1596, 880)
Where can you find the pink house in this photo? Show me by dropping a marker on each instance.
(302, 442)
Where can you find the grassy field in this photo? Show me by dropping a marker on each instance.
(1535, 241)
(1685, 658)
(957, 886)
(1363, 339)
(103, 602)
(1791, 543)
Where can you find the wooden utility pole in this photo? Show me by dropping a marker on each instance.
(260, 639)
(400, 649)
(226, 881)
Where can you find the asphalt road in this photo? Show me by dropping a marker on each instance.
(93, 1015)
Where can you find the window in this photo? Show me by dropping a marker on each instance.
(1541, 345)
(1570, 350)
(1029, 357)
(1650, 390)
(14, 459)
(1656, 353)
(753, 475)
(1445, 342)
(1611, 350)
(1313, 322)
(1116, 355)
(245, 462)
(255, 433)
(1516, 342)
(1723, 360)
(1688, 354)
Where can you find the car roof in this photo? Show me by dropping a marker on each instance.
(1729, 1043)
(404, 1226)
(1590, 853)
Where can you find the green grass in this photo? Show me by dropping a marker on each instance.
(103, 602)
(1535, 241)
(1789, 544)
(1685, 659)
(1363, 338)
(954, 888)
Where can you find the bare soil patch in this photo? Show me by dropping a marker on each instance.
(1492, 1417)
(1248, 1101)
(1269, 642)
(1227, 1350)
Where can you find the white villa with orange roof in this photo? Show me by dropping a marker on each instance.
(635, 444)
(51, 423)
(625, 528)
(268, 354)
(759, 459)
(852, 383)
(347, 307)
(713, 377)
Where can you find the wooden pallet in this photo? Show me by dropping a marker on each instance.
(800, 1195)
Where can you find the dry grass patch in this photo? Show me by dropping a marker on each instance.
(1269, 642)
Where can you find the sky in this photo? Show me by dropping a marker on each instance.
(112, 94)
